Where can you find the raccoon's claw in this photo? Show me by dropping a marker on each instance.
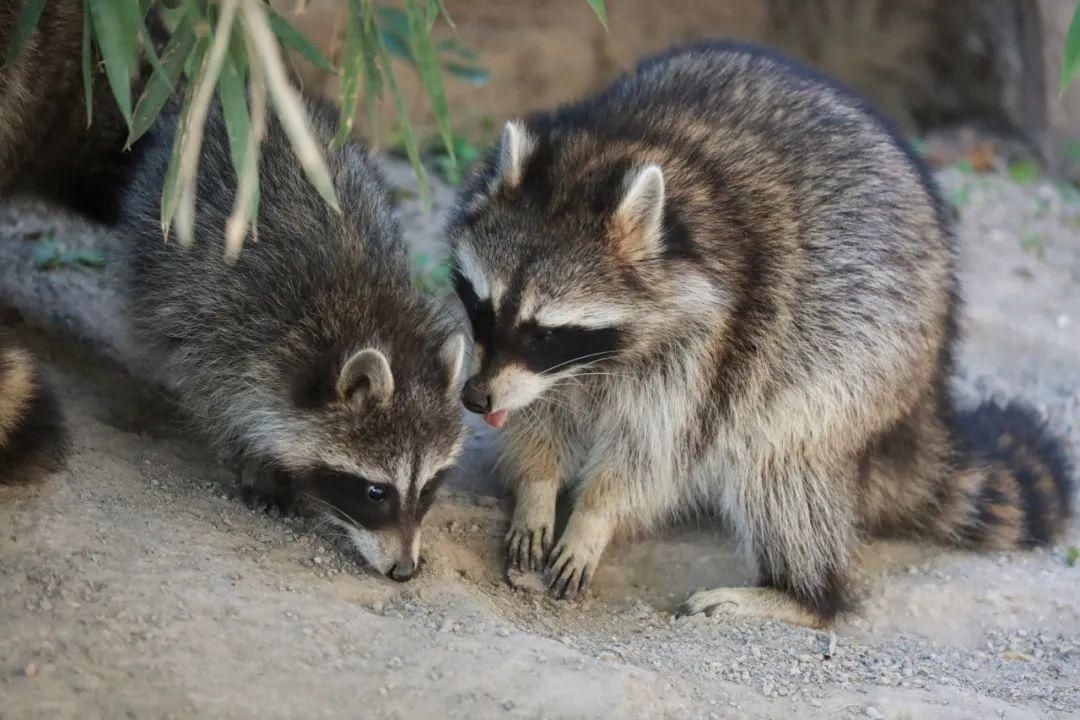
(568, 574)
(527, 548)
(260, 502)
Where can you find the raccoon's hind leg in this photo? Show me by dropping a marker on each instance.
(536, 464)
(800, 521)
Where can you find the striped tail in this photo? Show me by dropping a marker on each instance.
(1013, 483)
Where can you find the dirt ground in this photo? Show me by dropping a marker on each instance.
(133, 583)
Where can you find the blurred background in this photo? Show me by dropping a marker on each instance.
(977, 78)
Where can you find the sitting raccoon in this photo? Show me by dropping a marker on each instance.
(724, 286)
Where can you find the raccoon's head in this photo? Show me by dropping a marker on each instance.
(381, 429)
(563, 261)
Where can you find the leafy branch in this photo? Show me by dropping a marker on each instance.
(232, 48)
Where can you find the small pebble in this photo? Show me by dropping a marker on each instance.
(872, 712)
(31, 670)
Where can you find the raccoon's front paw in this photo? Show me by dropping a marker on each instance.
(569, 571)
(574, 560)
(265, 490)
(527, 546)
(283, 503)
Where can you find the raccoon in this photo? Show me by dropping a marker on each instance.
(47, 149)
(724, 285)
(49, 146)
(312, 360)
(33, 439)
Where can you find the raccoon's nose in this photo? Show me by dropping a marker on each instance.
(403, 570)
(475, 397)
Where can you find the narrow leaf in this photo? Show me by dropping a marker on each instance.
(116, 42)
(24, 27)
(373, 79)
(199, 109)
(170, 195)
(472, 74)
(160, 85)
(432, 13)
(352, 67)
(1071, 62)
(430, 74)
(233, 98)
(292, 37)
(600, 9)
(88, 63)
(407, 136)
(245, 211)
(287, 101)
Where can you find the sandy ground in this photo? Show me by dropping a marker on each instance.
(133, 584)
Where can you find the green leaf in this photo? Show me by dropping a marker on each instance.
(115, 27)
(600, 10)
(88, 63)
(352, 68)
(170, 194)
(1072, 554)
(394, 32)
(1071, 62)
(24, 27)
(231, 93)
(1024, 172)
(160, 85)
(430, 74)
(292, 37)
(472, 74)
(407, 136)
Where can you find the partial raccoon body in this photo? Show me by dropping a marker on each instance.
(313, 360)
(47, 147)
(32, 434)
(724, 285)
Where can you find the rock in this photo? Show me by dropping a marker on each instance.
(528, 581)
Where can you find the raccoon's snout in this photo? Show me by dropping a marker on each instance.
(476, 397)
(403, 570)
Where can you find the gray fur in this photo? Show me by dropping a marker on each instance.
(313, 359)
(781, 351)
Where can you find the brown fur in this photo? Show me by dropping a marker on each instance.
(776, 350)
(32, 437)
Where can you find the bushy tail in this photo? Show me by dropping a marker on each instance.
(1013, 481)
(32, 433)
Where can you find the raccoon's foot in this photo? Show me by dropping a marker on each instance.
(764, 603)
(264, 490)
(532, 530)
(574, 560)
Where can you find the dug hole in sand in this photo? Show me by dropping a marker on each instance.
(135, 584)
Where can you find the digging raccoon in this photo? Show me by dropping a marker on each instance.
(724, 286)
(313, 360)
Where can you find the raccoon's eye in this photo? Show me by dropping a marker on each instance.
(543, 335)
(376, 493)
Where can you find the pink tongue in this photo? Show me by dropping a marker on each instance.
(497, 418)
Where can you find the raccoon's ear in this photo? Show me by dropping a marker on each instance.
(638, 225)
(366, 376)
(516, 146)
(452, 356)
